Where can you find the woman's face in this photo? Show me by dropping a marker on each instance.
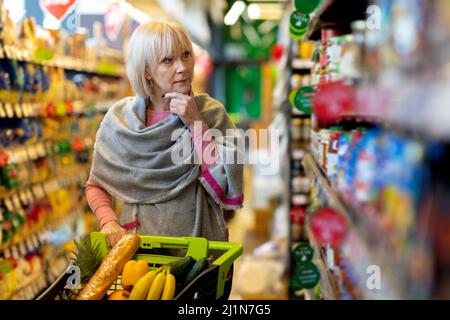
(174, 73)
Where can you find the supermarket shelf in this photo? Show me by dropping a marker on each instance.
(22, 154)
(298, 154)
(298, 114)
(300, 199)
(313, 171)
(67, 63)
(327, 279)
(365, 255)
(34, 110)
(302, 64)
(337, 14)
(37, 190)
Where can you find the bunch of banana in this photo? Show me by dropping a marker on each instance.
(157, 284)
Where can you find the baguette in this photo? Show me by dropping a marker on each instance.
(110, 268)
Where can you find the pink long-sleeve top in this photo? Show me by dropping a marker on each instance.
(100, 201)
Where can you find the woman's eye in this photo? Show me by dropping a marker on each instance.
(186, 55)
(167, 60)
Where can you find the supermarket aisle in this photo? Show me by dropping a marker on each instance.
(246, 229)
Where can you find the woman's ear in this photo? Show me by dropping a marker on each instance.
(147, 75)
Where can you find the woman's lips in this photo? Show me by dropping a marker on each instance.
(181, 81)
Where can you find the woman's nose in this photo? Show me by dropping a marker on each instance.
(181, 66)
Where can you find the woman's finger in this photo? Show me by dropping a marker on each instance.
(177, 105)
(111, 240)
(175, 95)
(180, 101)
(175, 110)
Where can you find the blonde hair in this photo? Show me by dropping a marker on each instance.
(149, 43)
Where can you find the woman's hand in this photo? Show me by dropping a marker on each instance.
(184, 106)
(113, 231)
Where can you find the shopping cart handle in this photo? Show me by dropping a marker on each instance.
(233, 251)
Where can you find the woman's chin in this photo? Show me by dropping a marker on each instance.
(182, 87)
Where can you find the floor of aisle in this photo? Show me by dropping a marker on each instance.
(242, 229)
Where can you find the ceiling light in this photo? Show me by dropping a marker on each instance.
(254, 11)
(234, 13)
(265, 11)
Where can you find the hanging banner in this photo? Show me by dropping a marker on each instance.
(57, 8)
(114, 19)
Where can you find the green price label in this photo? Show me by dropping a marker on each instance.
(295, 35)
(298, 22)
(306, 276)
(303, 253)
(302, 100)
(292, 96)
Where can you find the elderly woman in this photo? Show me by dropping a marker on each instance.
(172, 179)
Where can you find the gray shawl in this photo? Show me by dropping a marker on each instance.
(134, 163)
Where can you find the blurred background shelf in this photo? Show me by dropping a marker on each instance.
(364, 253)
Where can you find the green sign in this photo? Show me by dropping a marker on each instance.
(302, 100)
(303, 253)
(306, 276)
(306, 6)
(292, 96)
(296, 35)
(298, 21)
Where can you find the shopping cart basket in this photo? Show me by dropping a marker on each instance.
(214, 283)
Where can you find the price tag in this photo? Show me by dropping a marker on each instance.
(303, 253)
(25, 155)
(42, 190)
(19, 55)
(30, 196)
(9, 205)
(16, 202)
(37, 191)
(23, 197)
(306, 276)
(20, 155)
(9, 110)
(46, 187)
(2, 111)
(35, 241)
(26, 109)
(15, 252)
(302, 100)
(7, 252)
(49, 147)
(41, 236)
(29, 244)
(22, 249)
(38, 108)
(54, 185)
(40, 148)
(7, 51)
(32, 152)
(18, 110)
